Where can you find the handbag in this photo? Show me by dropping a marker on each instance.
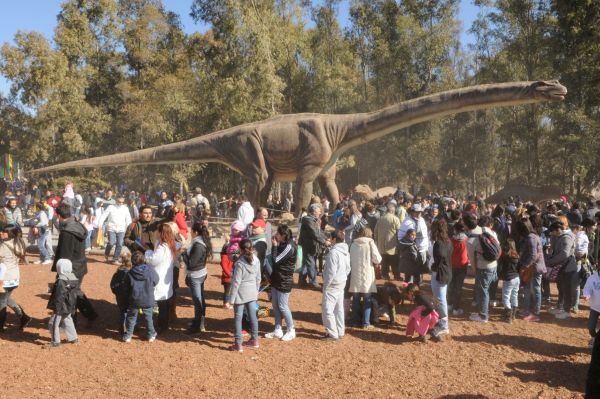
(527, 273)
(552, 273)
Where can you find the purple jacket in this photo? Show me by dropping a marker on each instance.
(530, 250)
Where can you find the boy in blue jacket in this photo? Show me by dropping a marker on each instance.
(141, 282)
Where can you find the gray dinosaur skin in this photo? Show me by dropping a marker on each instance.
(304, 147)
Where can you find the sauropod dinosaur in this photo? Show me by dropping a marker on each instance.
(305, 147)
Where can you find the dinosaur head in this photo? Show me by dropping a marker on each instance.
(549, 90)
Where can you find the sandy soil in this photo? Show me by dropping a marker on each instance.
(495, 360)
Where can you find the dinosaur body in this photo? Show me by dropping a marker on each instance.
(304, 147)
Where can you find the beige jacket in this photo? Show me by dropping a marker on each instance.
(363, 255)
(385, 233)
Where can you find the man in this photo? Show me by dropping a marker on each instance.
(263, 214)
(311, 239)
(402, 210)
(485, 270)
(118, 219)
(142, 231)
(199, 205)
(355, 216)
(335, 274)
(415, 221)
(13, 212)
(563, 256)
(164, 205)
(108, 199)
(245, 213)
(71, 245)
(385, 233)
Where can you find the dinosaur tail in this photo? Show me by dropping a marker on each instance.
(195, 150)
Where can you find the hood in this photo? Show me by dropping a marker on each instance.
(74, 227)
(341, 247)
(405, 241)
(139, 272)
(459, 236)
(64, 269)
(362, 240)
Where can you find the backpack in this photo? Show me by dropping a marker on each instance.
(459, 257)
(77, 202)
(490, 247)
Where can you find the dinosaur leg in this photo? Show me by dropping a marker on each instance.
(304, 187)
(266, 190)
(328, 187)
(258, 178)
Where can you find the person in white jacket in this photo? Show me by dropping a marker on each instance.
(162, 260)
(335, 273)
(364, 255)
(117, 219)
(591, 292)
(245, 212)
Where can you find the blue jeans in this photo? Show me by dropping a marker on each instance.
(309, 268)
(281, 308)
(439, 292)
(42, 243)
(510, 293)
(483, 279)
(361, 317)
(533, 294)
(197, 290)
(132, 315)
(88, 239)
(238, 311)
(114, 239)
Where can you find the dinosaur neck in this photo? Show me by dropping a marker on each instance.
(370, 126)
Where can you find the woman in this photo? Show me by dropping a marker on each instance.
(162, 259)
(441, 274)
(87, 220)
(531, 254)
(284, 261)
(12, 249)
(196, 256)
(44, 234)
(364, 256)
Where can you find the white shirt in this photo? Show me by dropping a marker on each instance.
(581, 243)
(420, 227)
(117, 217)
(161, 260)
(245, 213)
(592, 291)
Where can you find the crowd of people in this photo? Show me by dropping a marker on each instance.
(395, 240)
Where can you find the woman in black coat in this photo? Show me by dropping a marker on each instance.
(283, 264)
(196, 256)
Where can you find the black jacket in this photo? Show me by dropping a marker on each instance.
(284, 262)
(442, 264)
(508, 268)
(425, 300)
(196, 260)
(409, 259)
(63, 299)
(71, 245)
(119, 285)
(142, 280)
(311, 237)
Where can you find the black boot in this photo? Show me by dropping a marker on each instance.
(25, 319)
(202, 326)
(2, 319)
(508, 315)
(514, 313)
(194, 328)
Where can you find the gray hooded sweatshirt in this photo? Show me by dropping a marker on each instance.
(337, 267)
(563, 252)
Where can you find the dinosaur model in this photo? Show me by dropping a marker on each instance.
(305, 147)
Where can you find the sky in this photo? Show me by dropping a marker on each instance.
(40, 16)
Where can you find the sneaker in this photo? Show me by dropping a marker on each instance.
(531, 317)
(554, 311)
(493, 304)
(47, 262)
(439, 332)
(591, 343)
(74, 342)
(328, 337)
(126, 339)
(53, 345)
(289, 335)
(457, 312)
(116, 262)
(152, 338)
(277, 333)
(251, 344)
(423, 338)
(25, 319)
(563, 315)
(37, 262)
(477, 317)
(368, 327)
(245, 333)
(237, 348)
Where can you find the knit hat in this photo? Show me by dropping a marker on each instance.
(64, 266)
(238, 225)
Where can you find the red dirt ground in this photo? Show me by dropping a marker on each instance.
(495, 360)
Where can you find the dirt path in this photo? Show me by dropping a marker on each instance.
(496, 360)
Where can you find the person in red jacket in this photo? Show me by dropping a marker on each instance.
(459, 261)
(227, 268)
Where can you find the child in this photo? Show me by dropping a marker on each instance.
(62, 302)
(119, 287)
(237, 235)
(141, 281)
(227, 268)
(335, 275)
(508, 272)
(423, 318)
(409, 258)
(388, 297)
(459, 260)
(243, 294)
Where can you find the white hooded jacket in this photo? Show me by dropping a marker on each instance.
(337, 267)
